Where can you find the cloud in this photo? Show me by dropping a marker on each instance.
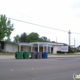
(76, 8)
(76, 4)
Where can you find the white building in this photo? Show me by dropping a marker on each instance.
(50, 47)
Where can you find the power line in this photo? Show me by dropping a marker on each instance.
(36, 24)
(22, 14)
(42, 25)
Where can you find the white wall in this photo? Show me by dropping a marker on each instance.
(15, 48)
(56, 48)
(10, 47)
(26, 48)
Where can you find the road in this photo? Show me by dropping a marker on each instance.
(39, 69)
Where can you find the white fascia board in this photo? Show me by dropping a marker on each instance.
(45, 43)
(24, 44)
(39, 42)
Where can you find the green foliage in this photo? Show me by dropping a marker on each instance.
(45, 39)
(23, 37)
(70, 50)
(6, 27)
(33, 37)
(7, 40)
(65, 44)
(41, 40)
(16, 38)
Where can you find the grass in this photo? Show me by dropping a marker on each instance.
(64, 54)
(6, 53)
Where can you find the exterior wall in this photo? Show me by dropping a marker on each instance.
(10, 47)
(44, 50)
(29, 49)
(22, 48)
(41, 49)
(15, 48)
(26, 48)
(33, 48)
(56, 48)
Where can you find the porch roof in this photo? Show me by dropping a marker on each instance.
(40, 44)
(24, 44)
(46, 43)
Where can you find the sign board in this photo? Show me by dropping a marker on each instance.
(64, 48)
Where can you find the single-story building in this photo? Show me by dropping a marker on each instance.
(51, 47)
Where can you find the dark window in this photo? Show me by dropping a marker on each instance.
(36, 49)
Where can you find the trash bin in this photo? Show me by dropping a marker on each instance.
(18, 55)
(33, 55)
(45, 55)
(39, 55)
(26, 55)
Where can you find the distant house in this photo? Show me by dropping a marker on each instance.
(8, 46)
(78, 47)
(51, 47)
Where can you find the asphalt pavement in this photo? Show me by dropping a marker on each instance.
(49, 56)
(39, 69)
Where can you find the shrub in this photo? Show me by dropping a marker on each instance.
(59, 52)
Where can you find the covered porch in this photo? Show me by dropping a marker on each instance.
(42, 47)
(39, 47)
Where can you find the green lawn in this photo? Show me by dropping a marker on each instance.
(64, 54)
(6, 53)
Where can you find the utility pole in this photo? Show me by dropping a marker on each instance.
(56, 39)
(69, 37)
(74, 42)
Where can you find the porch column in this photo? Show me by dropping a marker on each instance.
(38, 47)
(43, 48)
(31, 48)
(53, 49)
(19, 47)
(47, 48)
(50, 49)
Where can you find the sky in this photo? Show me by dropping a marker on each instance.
(59, 14)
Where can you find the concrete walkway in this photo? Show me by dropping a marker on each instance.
(49, 56)
(6, 57)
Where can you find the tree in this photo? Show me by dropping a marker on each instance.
(41, 40)
(7, 40)
(33, 37)
(70, 49)
(6, 27)
(23, 37)
(45, 39)
(16, 38)
(65, 44)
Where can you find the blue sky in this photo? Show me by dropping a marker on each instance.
(60, 14)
